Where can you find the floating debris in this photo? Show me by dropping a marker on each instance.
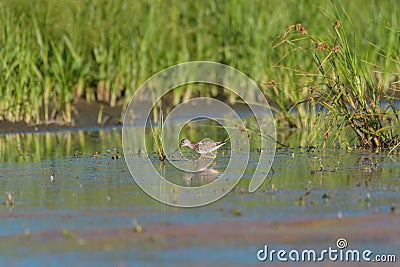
(77, 179)
(117, 155)
(393, 209)
(340, 215)
(78, 154)
(81, 241)
(237, 212)
(136, 226)
(272, 191)
(27, 232)
(301, 201)
(65, 233)
(327, 196)
(52, 179)
(9, 201)
(368, 197)
(242, 191)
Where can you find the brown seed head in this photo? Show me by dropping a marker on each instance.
(300, 28)
(270, 83)
(321, 46)
(335, 49)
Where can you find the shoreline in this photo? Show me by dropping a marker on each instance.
(84, 117)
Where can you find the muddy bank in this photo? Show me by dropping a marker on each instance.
(84, 115)
(298, 233)
(318, 233)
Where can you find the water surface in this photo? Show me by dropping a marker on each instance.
(93, 190)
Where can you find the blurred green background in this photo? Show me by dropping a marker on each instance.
(57, 53)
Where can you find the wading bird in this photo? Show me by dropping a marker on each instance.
(203, 147)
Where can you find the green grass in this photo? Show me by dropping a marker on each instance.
(157, 125)
(339, 78)
(57, 53)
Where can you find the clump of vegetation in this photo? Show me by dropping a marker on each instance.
(158, 119)
(344, 90)
(56, 54)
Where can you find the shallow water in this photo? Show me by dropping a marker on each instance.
(93, 189)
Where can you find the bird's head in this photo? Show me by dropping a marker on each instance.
(185, 142)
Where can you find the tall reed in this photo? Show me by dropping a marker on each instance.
(352, 92)
(55, 54)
